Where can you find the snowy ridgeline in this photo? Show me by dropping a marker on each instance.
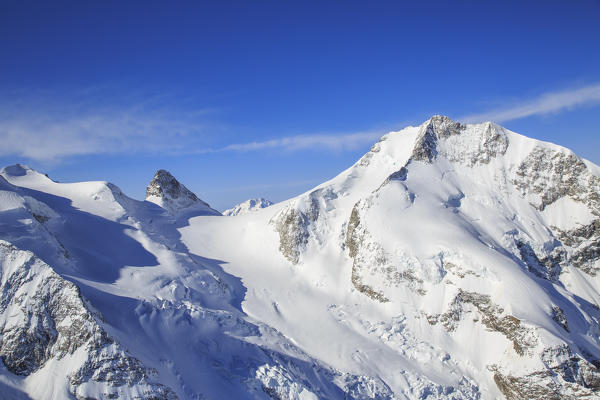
(450, 262)
(247, 207)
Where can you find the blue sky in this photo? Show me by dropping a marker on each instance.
(269, 98)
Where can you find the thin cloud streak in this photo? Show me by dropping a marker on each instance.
(48, 132)
(55, 140)
(336, 142)
(264, 186)
(547, 103)
(52, 133)
(49, 128)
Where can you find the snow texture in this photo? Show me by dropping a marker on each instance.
(451, 261)
(248, 206)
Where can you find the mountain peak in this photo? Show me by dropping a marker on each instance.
(444, 127)
(248, 206)
(164, 185)
(166, 191)
(437, 127)
(21, 172)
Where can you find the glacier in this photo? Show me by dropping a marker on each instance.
(452, 261)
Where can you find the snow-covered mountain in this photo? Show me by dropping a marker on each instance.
(248, 206)
(450, 262)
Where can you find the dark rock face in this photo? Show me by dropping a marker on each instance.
(436, 137)
(549, 175)
(165, 185)
(571, 367)
(44, 317)
(577, 236)
(488, 144)
(558, 315)
(39, 333)
(354, 239)
(584, 244)
(370, 258)
(527, 387)
(567, 376)
(172, 195)
(438, 127)
(547, 266)
(293, 233)
(491, 316)
(293, 225)
(425, 147)
(546, 176)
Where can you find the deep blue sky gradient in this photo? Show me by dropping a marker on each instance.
(261, 70)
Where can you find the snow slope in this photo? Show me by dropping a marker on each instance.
(248, 206)
(442, 259)
(175, 314)
(450, 262)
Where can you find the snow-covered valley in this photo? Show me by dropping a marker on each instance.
(450, 262)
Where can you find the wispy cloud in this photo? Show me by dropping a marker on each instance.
(87, 123)
(48, 131)
(45, 139)
(257, 187)
(336, 142)
(544, 104)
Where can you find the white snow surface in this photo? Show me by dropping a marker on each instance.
(247, 207)
(218, 310)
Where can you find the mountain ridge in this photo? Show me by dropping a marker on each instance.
(248, 206)
(451, 261)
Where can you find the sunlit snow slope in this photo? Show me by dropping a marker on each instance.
(450, 262)
(247, 207)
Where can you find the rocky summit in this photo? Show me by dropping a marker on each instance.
(167, 192)
(452, 261)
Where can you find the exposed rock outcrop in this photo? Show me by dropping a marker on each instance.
(440, 136)
(43, 317)
(566, 376)
(438, 127)
(584, 245)
(293, 225)
(491, 316)
(547, 175)
(547, 266)
(354, 240)
(167, 192)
